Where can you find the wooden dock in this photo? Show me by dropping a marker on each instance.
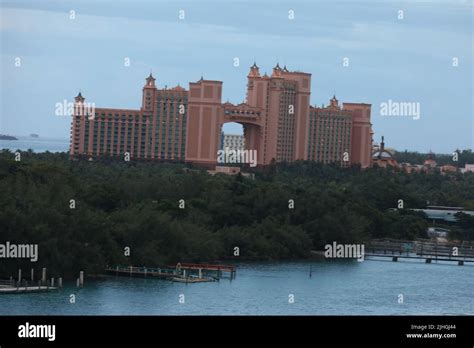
(25, 289)
(22, 285)
(212, 269)
(427, 250)
(144, 272)
(181, 270)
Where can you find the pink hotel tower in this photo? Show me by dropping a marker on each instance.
(185, 125)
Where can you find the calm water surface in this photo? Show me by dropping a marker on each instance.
(40, 144)
(335, 288)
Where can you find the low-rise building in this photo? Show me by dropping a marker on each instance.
(468, 168)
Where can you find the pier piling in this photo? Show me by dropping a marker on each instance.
(425, 250)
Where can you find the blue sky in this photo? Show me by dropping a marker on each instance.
(407, 60)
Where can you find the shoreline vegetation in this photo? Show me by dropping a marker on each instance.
(85, 215)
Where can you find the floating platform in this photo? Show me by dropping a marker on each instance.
(207, 267)
(25, 289)
(193, 280)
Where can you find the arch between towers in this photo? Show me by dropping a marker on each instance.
(204, 131)
(252, 135)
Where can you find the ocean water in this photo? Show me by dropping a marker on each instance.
(40, 144)
(335, 288)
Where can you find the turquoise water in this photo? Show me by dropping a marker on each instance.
(40, 144)
(335, 288)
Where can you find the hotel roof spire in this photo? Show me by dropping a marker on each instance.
(254, 71)
(277, 70)
(79, 98)
(150, 81)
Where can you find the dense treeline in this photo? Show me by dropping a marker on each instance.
(464, 156)
(136, 204)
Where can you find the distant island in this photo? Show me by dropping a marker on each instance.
(33, 135)
(7, 137)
